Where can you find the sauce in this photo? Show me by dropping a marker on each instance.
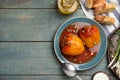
(87, 55)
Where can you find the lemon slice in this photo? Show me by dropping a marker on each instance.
(67, 6)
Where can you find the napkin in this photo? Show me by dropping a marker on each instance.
(115, 13)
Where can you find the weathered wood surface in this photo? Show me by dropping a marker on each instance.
(33, 58)
(31, 24)
(45, 77)
(36, 59)
(26, 41)
(28, 3)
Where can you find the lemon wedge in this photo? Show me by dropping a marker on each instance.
(67, 6)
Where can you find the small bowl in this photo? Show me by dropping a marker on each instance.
(100, 75)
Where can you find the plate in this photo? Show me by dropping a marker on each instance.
(112, 47)
(99, 55)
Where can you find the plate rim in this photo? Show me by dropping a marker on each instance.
(78, 66)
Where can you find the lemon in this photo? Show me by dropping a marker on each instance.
(67, 6)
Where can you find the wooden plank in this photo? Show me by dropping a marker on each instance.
(28, 3)
(35, 58)
(47, 77)
(31, 24)
(26, 41)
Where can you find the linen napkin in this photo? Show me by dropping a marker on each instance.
(115, 13)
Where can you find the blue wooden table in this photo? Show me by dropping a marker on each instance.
(27, 29)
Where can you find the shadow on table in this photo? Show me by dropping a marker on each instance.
(4, 3)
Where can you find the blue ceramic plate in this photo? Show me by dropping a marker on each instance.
(99, 55)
